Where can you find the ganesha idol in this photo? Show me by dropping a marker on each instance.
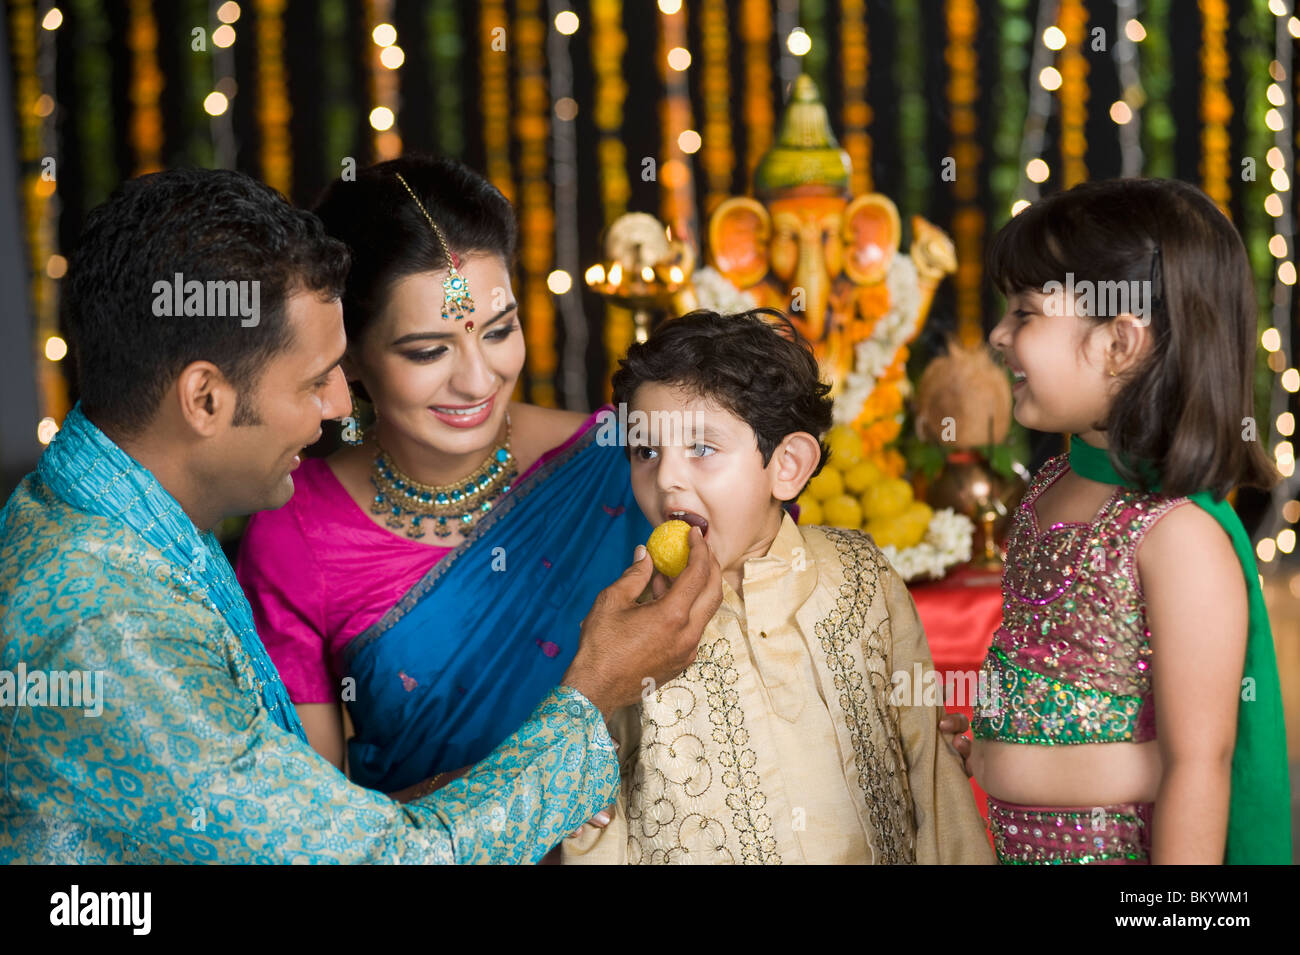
(809, 248)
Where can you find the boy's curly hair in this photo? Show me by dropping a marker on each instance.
(754, 364)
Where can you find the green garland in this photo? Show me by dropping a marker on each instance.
(910, 77)
(340, 88)
(446, 53)
(197, 80)
(1154, 67)
(97, 165)
(1016, 36)
(812, 17)
(1255, 41)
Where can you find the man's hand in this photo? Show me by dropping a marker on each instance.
(623, 643)
(956, 723)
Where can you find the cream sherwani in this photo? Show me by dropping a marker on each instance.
(779, 743)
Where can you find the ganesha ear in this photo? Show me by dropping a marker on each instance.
(871, 235)
(739, 232)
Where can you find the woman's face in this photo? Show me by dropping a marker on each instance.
(433, 381)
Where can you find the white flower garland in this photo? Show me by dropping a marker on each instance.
(947, 542)
(891, 333)
(716, 293)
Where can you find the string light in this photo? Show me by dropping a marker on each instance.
(799, 42)
(385, 59)
(559, 281)
(566, 22)
(1276, 340)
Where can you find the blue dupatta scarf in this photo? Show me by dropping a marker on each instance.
(87, 470)
(464, 657)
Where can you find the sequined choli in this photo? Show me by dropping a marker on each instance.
(1071, 662)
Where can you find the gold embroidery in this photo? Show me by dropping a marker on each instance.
(655, 793)
(882, 772)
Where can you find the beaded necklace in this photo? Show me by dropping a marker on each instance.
(407, 504)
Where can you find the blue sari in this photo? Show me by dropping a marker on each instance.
(460, 662)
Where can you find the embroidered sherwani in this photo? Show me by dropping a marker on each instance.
(186, 763)
(779, 743)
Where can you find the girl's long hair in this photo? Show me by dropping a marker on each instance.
(1189, 407)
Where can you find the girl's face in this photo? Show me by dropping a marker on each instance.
(1062, 380)
(433, 382)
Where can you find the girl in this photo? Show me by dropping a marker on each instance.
(1133, 711)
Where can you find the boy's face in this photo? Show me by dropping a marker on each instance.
(710, 474)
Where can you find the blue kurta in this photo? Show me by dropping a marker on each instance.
(183, 761)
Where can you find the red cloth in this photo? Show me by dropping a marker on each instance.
(960, 614)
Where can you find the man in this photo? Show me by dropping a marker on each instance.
(142, 720)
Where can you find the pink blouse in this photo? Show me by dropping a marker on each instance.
(318, 572)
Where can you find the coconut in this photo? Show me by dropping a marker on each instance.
(963, 399)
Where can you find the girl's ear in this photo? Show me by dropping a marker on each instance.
(793, 464)
(1130, 339)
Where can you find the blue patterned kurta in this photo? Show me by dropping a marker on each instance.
(184, 763)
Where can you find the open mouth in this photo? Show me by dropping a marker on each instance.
(1017, 377)
(690, 517)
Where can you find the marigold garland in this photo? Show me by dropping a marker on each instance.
(494, 97)
(676, 179)
(968, 217)
(756, 34)
(855, 57)
(536, 215)
(146, 88)
(273, 96)
(1216, 107)
(608, 45)
(1073, 22)
(719, 158)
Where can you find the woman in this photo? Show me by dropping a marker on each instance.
(434, 576)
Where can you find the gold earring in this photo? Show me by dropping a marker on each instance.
(352, 424)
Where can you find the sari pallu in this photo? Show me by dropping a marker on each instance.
(464, 657)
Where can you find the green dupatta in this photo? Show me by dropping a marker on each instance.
(1259, 814)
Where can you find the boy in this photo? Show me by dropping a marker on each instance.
(778, 744)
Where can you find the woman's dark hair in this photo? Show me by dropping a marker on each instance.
(389, 237)
(754, 364)
(1184, 407)
(210, 226)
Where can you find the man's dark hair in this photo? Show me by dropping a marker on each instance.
(754, 364)
(207, 225)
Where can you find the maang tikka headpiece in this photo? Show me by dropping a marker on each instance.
(456, 301)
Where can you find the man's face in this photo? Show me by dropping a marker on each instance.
(299, 388)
